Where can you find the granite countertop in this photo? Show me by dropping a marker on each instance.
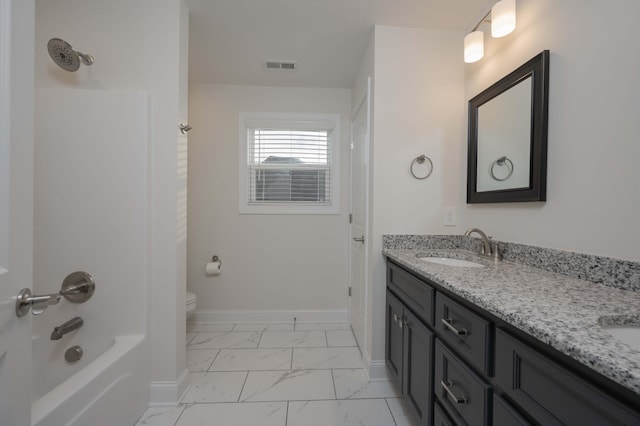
(561, 311)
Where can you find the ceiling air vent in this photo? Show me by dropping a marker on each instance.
(281, 65)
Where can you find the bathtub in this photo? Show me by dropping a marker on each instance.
(109, 390)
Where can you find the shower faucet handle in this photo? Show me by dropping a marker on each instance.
(27, 301)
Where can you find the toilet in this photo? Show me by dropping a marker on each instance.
(191, 304)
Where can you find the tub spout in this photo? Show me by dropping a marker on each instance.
(67, 327)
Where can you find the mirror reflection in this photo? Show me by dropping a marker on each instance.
(504, 131)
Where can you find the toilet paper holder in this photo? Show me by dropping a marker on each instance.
(213, 267)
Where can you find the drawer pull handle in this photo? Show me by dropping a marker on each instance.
(402, 321)
(447, 387)
(448, 323)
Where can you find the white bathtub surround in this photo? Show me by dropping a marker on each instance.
(91, 210)
(282, 386)
(88, 396)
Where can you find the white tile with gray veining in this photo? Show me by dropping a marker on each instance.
(369, 412)
(402, 413)
(559, 310)
(200, 359)
(341, 338)
(214, 387)
(292, 385)
(293, 339)
(160, 416)
(354, 384)
(252, 359)
(235, 414)
(323, 358)
(230, 339)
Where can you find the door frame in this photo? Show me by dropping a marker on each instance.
(17, 33)
(364, 101)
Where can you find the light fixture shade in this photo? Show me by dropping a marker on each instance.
(503, 18)
(473, 47)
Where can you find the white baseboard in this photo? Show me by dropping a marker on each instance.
(378, 370)
(339, 315)
(168, 393)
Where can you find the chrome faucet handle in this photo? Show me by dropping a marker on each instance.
(496, 255)
(26, 301)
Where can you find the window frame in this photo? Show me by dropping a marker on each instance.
(298, 121)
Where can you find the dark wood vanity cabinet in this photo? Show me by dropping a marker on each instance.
(456, 364)
(409, 349)
(549, 392)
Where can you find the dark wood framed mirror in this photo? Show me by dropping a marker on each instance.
(507, 140)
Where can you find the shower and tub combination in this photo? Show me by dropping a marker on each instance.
(90, 214)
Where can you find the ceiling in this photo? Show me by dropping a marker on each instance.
(230, 40)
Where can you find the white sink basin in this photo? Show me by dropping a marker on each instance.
(629, 334)
(451, 262)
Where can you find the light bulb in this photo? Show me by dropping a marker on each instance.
(473, 47)
(503, 18)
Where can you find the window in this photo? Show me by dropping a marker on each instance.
(289, 163)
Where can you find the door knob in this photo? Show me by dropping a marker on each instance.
(359, 240)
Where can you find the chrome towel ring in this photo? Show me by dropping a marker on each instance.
(421, 159)
(500, 162)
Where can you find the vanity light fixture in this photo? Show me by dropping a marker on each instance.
(503, 18)
(503, 22)
(473, 46)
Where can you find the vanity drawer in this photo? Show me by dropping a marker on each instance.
(459, 389)
(415, 293)
(549, 392)
(468, 334)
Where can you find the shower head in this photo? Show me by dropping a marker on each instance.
(65, 57)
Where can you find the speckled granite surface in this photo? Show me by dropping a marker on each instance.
(617, 273)
(559, 310)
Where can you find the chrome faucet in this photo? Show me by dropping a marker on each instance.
(486, 249)
(67, 327)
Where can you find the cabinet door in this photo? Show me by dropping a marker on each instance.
(394, 339)
(549, 392)
(418, 367)
(505, 415)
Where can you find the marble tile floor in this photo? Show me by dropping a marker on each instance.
(279, 375)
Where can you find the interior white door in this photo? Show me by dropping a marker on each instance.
(358, 229)
(16, 205)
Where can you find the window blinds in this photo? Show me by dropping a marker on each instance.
(289, 165)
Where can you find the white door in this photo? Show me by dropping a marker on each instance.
(359, 202)
(16, 206)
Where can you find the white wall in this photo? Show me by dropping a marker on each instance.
(137, 45)
(418, 109)
(593, 201)
(276, 263)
